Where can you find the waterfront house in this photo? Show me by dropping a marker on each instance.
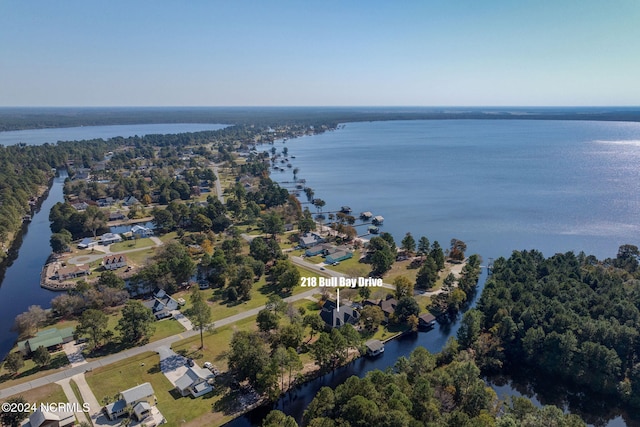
(195, 382)
(116, 216)
(51, 339)
(334, 318)
(72, 272)
(388, 306)
(322, 249)
(113, 262)
(60, 418)
(310, 239)
(140, 399)
(140, 231)
(377, 220)
(109, 238)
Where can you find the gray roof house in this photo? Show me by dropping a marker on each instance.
(334, 317)
(310, 239)
(136, 397)
(195, 382)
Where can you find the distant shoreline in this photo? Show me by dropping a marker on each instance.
(23, 118)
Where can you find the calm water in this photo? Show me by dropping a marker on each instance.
(498, 185)
(20, 286)
(41, 136)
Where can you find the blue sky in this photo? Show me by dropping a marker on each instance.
(329, 53)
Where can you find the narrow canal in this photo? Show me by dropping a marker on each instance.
(20, 287)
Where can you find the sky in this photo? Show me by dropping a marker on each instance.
(320, 53)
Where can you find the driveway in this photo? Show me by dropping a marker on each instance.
(172, 365)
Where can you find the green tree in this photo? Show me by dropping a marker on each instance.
(136, 324)
(272, 224)
(408, 243)
(314, 322)
(267, 320)
(60, 242)
(277, 418)
(457, 249)
(110, 279)
(95, 219)
(13, 418)
(404, 287)
(371, 316)
(470, 328)
(428, 274)
(41, 356)
(247, 356)
(14, 362)
(95, 324)
(437, 255)
(199, 313)
(406, 307)
(424, 246)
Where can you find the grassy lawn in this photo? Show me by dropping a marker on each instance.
(260, 292)
(401, 268)
(30, 371)
(49, 393)
(76, 391)
(216, 343)
(131, 244)
(140, 257)
(112, 379)
(166, 328)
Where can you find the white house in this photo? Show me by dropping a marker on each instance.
(140, 398)
(113, 262)
(195, 382)
(140, 231)
(109, 238)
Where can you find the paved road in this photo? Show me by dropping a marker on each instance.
(218, 185)
(151, 347)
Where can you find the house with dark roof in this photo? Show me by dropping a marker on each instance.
(116, 216)
(140, 398)
(130, 201)
(388, 306)
(426, 321)
(335, 316)
(80, 207)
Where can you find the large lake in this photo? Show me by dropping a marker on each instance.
(499, 185)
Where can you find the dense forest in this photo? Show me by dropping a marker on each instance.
(422, 390)
(570, 316)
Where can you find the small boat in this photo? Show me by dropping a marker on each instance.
(26, 218)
